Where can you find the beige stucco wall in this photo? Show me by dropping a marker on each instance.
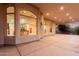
(17, 39)
(2, 24)
(20, 7)
(10, 39)
(48, 25)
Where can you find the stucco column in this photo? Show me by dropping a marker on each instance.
(17, 24)
(39, 21)
(2, 23)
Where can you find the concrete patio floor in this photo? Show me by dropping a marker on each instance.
(57, 45)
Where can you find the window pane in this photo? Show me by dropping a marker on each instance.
(10, 21)
(27, 23)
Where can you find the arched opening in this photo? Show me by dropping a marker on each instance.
(27, 23)
(46, 25)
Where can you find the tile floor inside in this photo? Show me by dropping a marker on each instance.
(57, 45)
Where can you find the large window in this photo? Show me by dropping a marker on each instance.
(46, 26)
(27, 23)
(10, 21)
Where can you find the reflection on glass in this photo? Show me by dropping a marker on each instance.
(24, 27)
(46, 26)
(10, 25)
(27, 23)
(10, 21)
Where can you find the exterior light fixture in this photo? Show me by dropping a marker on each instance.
(61, 8)
(70, 17)
(67, 14)
(55, 17)
(47, 14)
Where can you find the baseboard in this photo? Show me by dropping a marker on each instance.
(1, 45)
(27, 42)
(9, 44)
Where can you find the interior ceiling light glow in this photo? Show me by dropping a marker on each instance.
(22, 21)
(61, 8)
(23, 11)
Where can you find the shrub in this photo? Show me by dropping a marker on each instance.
(77, 30)
(63, 28)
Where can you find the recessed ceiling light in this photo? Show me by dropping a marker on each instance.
(70, 17)
(47, 14)
(60, 19)
(61, 8)
(67, 14)
(55, 17)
